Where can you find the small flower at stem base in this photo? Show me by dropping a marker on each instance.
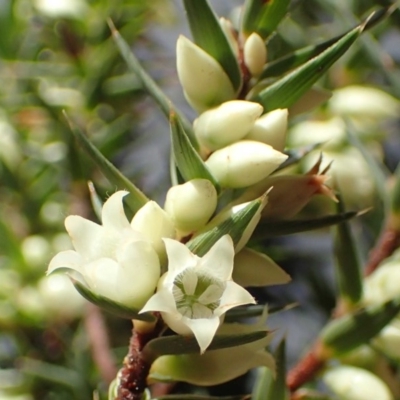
(195, 292)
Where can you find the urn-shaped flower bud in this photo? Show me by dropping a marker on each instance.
(227, 123)
(244, 163)
(352, 383)
(191, 205)
(111, 260)
(204, 81)
(270, 129)
(195, 292)
(154, 224)
(255, 54)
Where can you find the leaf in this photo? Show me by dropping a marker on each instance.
(188, 161)
(109, 305)
(293, 60)
(235, 226)
(266, 229)
(178, 345)
(136, 198)
(197, 397)
(296, 155)
(208, 34)
(148, 83)
(348, 266)
(278, 389)
(249, 311)
(263, 16)
(352, 330)
(287, 90)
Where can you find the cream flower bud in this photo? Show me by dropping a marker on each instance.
(252, 268)
(383, 284)
(352, 383)
(388, 340)
(204, 82)
(229, 31)
(255, 54)
(271, 129)
(191, 205)
(364, 102)
(227, 123)
(154, 224)
(244, 163)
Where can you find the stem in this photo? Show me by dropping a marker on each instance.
(99, 341)
(387, 244)
(306, 369)
(132, 377)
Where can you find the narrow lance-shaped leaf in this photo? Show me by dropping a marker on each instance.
(252, 10)
(208, 34)
(266, 229)
(348, 268)
(235, 226)
(136, 198)
(298, 57)
(352, 330)
(395, 196)
(188, 161)
(272, 15)
(148, 83)
(278, 389)
(177, 344)
(286, 91)
(110, 305)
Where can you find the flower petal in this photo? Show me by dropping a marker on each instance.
(179, 257)
(66, 259)
(203, 329)
(162, 301)
(85, 235)
(219, 259)
(234, 295)
(113, 214)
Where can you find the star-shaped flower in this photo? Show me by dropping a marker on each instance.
(196, 291)
(112, 260)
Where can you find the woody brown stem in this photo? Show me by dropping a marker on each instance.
(306, 369)
(99, 342)
(132, 377)
(387, 244)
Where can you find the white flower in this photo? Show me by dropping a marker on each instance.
(195, 292)
(112, 260)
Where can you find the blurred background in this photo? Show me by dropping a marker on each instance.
(58, 55)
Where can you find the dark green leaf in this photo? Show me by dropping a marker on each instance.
(296, 155)
(208, 34)
(234, 226)
(188, 161)
(278, 389)
(281, 65)
(266, 229)
(148, 83)
(272, 15)
(287, 90)
(136, 199)
(177, 344)
(111, 306)
(352, 330)
(348, 266)
(250, 311)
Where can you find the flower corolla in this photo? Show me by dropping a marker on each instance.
(112, 260)
(196, 291)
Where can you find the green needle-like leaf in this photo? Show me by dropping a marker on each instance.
(148, 83)
(188, 161)
(110, 305)
(262, 16)
(266, 229)
(278, 389)
(208, 34)
(136, 199)
(177, 344)
(352, 330)
(234, 226)
(286, 91)
(348, 268)
(281, 65)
